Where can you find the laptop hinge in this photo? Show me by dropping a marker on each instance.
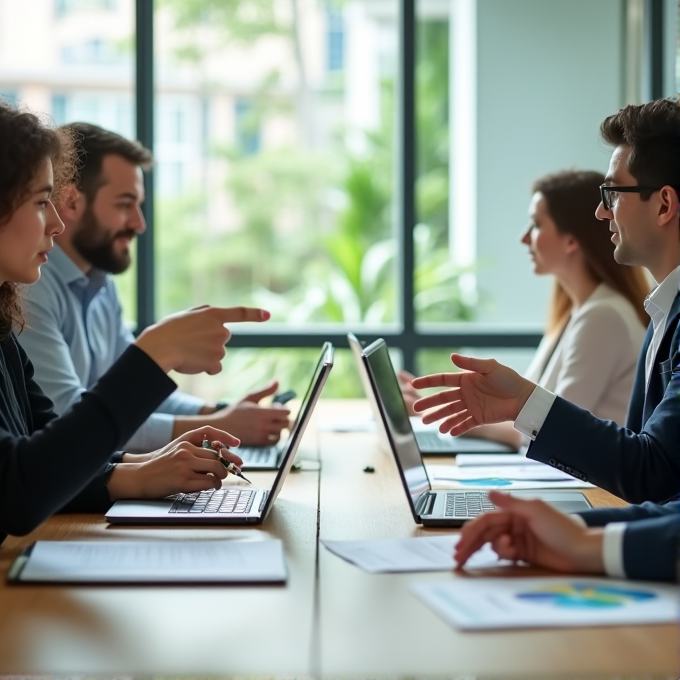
(425, 503)
(265, 495)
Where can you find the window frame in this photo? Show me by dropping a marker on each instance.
(406, 337)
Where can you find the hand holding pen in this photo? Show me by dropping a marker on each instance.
(230, 467)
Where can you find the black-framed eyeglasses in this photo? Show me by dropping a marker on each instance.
(610, 194)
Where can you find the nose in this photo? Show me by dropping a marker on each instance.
(53, 226)
(526, 237)
(138, 222)
(603, 213)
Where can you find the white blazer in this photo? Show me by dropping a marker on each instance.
(592, 364)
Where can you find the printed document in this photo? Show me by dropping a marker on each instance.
(496, 603)
(429, 553)
(179, 561)
(505, 477)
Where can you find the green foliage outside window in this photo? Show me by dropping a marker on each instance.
(315, 240)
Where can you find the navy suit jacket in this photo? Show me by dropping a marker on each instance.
(638, 462)
(651, 540)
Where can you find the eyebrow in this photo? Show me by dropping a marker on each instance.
(129, 195)
(47, 188)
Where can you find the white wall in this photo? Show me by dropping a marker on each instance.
(548, 72)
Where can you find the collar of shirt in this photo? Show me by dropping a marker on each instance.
(84, 286)
(659, 302)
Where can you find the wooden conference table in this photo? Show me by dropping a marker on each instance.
(330, 620)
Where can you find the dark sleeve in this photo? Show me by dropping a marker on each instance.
(598, 517)
(650, 548)
(635, 467)
(59, 463)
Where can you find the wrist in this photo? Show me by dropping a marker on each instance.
(158, 350)
(124, 481)
(590, 558)
(526, 390)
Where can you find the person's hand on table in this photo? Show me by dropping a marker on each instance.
(534, 532)
(253, 423)
(183, 465)
(484, 391)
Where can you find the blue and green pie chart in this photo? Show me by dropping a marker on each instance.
(585, 595)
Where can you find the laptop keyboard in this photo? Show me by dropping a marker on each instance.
(238, 501)
(431, 441)
(467, 504)
(257, 455)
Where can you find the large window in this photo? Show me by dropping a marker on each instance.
(349, 164)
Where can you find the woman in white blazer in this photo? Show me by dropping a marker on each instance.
(596, 320)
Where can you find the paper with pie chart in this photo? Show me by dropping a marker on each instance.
(480, 603)
(504, 477)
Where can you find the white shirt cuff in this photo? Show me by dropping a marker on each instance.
(533, 414)
(612, 549)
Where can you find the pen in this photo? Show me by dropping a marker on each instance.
(234, 469)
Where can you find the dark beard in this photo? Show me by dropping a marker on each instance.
(89, 242)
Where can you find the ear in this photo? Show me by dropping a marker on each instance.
(71, 203)
(571, 245)
(668, 205)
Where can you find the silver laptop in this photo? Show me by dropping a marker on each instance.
(430, 442)
(433, 508)
(233, 504)
(260, 458)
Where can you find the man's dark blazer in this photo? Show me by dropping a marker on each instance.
(639, 462)
(651, 539)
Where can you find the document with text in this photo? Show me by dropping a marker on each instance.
(178, 561)
(428, 553)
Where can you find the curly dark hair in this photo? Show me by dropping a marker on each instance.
(26, 143)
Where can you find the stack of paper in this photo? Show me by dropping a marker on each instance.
(180, 561)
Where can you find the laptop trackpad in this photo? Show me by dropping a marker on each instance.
(565, 501)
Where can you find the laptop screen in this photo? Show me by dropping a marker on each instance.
(357, 350)
(396, 421)
(321, 372)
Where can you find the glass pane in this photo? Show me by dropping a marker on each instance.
(439, 360)
(274, 150)
(247, 370)
(498, 107)
(72, 60)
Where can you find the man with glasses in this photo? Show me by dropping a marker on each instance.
(641, 461)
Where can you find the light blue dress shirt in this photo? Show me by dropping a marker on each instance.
(75, 332)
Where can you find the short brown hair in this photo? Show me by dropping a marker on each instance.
(93, 144)
(26, 143)
(652, 133)
(571, 198)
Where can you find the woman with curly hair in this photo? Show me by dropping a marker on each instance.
(48, 462)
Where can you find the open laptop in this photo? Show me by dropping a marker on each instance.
(430, 440)
(258, 458)
(233, 504)
(433, 508)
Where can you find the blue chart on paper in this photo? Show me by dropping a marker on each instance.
(584, 595)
